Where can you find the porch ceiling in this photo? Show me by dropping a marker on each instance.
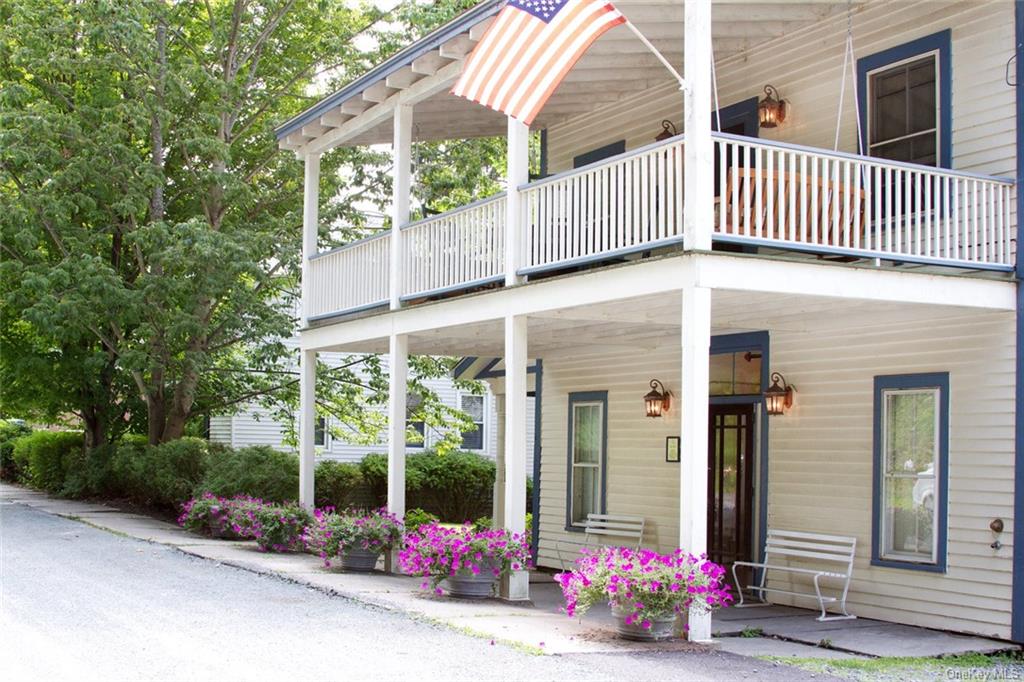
(649, 322)
(617, 66)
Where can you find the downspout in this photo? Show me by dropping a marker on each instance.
(538, 379)
(1017, 617)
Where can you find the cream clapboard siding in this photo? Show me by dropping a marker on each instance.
(820, 469)
(806, 67)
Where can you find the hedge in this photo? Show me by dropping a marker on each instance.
(259, 471)
(10, 432)
(41, 458)
(455, 487)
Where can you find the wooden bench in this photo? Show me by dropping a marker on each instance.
(831, 210)
(833, 555)
(628, 531)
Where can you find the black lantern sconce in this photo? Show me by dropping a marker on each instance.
(778, 399)
(771, 111)
(668, 129)
(657, 401)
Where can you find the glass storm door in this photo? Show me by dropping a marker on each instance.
(730, 483)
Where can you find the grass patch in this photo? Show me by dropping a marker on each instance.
(865, 669)
(750, 633)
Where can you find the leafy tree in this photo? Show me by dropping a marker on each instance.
(149, 226)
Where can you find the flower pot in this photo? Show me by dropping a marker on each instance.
(661, 627)
(467, 585)
(358, 560)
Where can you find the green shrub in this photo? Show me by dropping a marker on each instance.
(374, 470)
(339, 485)
(161, 476)
(42, 458)
(457, 486)
(10, 432)
(414, 518)
(259, 471)
(90, 473)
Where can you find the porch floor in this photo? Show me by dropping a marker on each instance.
(540, 625)
(789, 631)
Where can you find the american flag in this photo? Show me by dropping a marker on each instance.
(527, 51)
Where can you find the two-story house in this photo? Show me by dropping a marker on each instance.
(801, 313)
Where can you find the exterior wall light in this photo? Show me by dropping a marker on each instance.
(668, 129)
(657, 402)
(771, 111)
(778, 399)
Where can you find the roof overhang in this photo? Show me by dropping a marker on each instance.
(616, 67)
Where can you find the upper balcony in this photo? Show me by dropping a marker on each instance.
(773, 196)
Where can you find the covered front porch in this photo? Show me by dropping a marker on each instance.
(830, 331)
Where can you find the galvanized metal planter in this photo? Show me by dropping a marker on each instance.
(358, 560)
(467, 585)
(661, 627)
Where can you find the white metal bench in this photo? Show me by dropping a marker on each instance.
(835, 552)
(627, 531)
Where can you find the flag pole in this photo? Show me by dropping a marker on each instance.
(659, 55)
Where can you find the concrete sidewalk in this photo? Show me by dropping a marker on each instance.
(539, 626)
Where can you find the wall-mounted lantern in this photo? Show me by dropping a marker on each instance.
(778, 399)
(668, 129)
(771, 111)
(657, 401)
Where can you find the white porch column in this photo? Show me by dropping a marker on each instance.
(401, 174)
(498, 505)
(693, 442)
(307, 426)
(310, 226)
(517, 585)
(698, 154)
(518, 174)
(398, 373)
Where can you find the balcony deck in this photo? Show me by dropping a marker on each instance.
(771, 198)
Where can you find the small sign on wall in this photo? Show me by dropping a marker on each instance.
(672, 449)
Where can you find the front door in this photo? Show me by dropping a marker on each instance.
(730, 483)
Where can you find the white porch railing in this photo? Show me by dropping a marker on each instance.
(456, 249)
(627, 203)
(768, 194)
(829, 202)
(350, 277)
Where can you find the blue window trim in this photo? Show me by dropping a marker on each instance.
(938, 380)
(940, 42)
(586, 397)
(1017, 617)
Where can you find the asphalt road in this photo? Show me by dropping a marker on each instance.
(84, 604)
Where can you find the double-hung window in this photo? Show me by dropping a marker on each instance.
(588, 433)
(911, 470)
(905, 101)
(473, 405)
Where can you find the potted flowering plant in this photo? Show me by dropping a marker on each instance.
(356, 538)
(229, 518)
(469, 561)
(646, 590)
(280, 527)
